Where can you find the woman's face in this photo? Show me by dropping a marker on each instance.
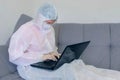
(50, 21)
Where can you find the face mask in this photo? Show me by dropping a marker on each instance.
(46, 26)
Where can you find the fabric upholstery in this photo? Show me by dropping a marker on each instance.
(99, 49)
(97, 53)
(115, 46)
(69, 34)
(12, 76)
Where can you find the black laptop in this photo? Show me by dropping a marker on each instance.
(70, 53)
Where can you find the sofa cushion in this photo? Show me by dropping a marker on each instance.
(98, 52)
(56, 28)
(98, 33)
(69, 34)
(115, 46)
(97, 56)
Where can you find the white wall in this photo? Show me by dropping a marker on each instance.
(10, 11)
(85, 11)
(70, 11)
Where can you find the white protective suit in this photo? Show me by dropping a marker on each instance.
(36, 38)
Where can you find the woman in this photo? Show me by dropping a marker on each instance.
(34, 41)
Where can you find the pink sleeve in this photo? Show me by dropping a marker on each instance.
(18, 45)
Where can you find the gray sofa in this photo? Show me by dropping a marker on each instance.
(102, 52)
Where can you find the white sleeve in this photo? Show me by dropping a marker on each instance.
(18, 45)
(27, 59)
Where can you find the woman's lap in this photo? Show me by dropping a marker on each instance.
(31, 73)
(73, 71)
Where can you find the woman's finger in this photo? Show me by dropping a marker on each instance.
(57, 55)
(53, 58)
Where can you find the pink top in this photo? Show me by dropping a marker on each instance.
(29, 43)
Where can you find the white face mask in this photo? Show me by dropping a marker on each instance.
(46, 26)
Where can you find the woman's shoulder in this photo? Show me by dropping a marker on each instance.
(23, 29)
(26, 25)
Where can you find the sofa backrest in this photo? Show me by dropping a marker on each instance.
(115, 46)
(104, 49)
(98, 51)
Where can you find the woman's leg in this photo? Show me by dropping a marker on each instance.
(22, 71)
(31, 73)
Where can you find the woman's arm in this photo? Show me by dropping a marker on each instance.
(19, 44)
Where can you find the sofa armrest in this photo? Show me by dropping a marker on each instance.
(5, 66)
(12, 76)
(1, 46)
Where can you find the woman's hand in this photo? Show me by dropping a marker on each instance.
(51, 56)
(56, 54)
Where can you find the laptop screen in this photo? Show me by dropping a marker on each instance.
(71, 52)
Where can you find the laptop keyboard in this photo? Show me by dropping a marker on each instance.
(49, 62)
